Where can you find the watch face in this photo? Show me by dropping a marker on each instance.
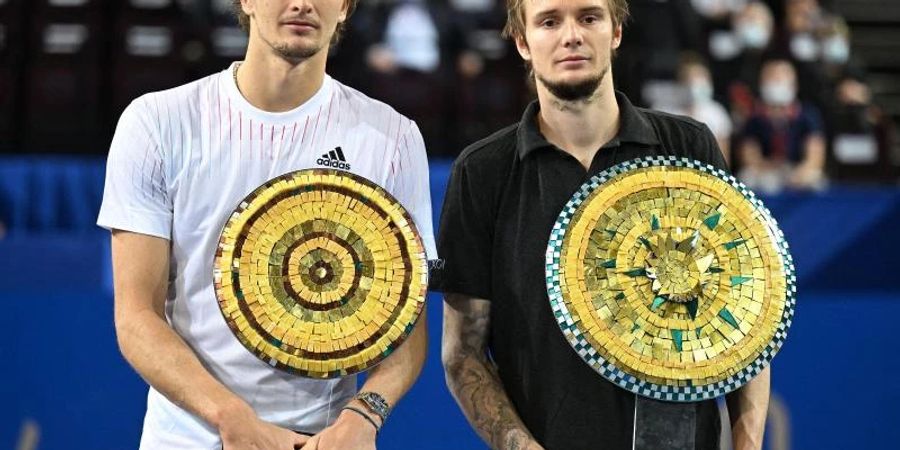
(374, 400)
(320, 273)
(670, 279)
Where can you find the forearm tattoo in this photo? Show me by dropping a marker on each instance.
(474, 382)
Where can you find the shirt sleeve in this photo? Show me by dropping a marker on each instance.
(711, 150)
(135, 195)
(410, 184)
(465, 236)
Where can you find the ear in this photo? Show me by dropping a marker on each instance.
(248, 6)
(522, 47)
(345, 8)
(617, 37)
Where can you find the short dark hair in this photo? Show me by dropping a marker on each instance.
(515, 16)
(244, 19)
(515, 23)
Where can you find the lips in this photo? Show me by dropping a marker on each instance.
(301, 24)
(573, 59)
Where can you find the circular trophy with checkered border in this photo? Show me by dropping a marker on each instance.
(671, 279)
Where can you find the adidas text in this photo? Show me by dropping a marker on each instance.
(335, 159)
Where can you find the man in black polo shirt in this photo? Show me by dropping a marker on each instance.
(507, 363)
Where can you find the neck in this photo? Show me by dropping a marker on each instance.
(580, 127)
(273, 83)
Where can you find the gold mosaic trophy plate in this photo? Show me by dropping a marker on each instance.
(670, 279)
(320, 273)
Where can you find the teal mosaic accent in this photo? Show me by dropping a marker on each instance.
(676, 338)
(734, 244)
(726, 315)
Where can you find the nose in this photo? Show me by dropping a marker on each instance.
(302, 6)
(572, 34)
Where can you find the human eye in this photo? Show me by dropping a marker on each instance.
(548, 22)
(591, 19)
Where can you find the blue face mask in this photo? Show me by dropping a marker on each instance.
(701, 91)
(836, 50)
(804, 47)
(778, 93)
(753, 35)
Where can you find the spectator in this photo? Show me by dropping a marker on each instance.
(804, 23)
(783, 144)
(862, 135)
(697, 102)
(659, 30)
(490, 88)
(737, 57)
(413, 58)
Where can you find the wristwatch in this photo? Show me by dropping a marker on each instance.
(375, 403)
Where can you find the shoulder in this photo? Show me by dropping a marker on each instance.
(186, 95)
(674, 126)
(375, 115)
(490, 154)
(685, 137)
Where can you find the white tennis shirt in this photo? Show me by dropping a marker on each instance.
(181, 161)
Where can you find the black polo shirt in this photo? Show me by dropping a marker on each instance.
(504, 195)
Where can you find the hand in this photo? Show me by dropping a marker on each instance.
(241, 429)
(348, 432)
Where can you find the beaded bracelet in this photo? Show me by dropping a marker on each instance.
(365, 416)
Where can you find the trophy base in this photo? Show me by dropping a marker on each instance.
(664, 425)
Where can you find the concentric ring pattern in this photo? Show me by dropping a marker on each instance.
(671, 279)
(321, 273)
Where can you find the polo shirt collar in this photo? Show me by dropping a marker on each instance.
(634, 128)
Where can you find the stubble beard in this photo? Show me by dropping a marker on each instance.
(295, 53)
(574, 91)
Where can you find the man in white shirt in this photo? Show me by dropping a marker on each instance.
(180, 162)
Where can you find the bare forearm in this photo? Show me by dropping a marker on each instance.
(163, 359)
(395, 375)
(475, 385)
(748, 407)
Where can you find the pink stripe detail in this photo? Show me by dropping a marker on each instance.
(303, 139)
(386, 141)
(328, 119)
(312, 139)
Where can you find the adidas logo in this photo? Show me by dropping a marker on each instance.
(334, 158)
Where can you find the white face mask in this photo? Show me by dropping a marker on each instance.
(777, 93)
(836, 50)
(753, 35)
(701, 91)
(804, 47)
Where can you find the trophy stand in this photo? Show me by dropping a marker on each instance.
(664, 425)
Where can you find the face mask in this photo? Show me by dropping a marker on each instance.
(701, 91)
(753, 35)
(724, 45)
(836, 50)
(804, 47)
(778, 93)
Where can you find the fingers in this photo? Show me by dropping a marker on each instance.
(300, 440)
(312, 443)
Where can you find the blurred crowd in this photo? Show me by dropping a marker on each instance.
(775, 80)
